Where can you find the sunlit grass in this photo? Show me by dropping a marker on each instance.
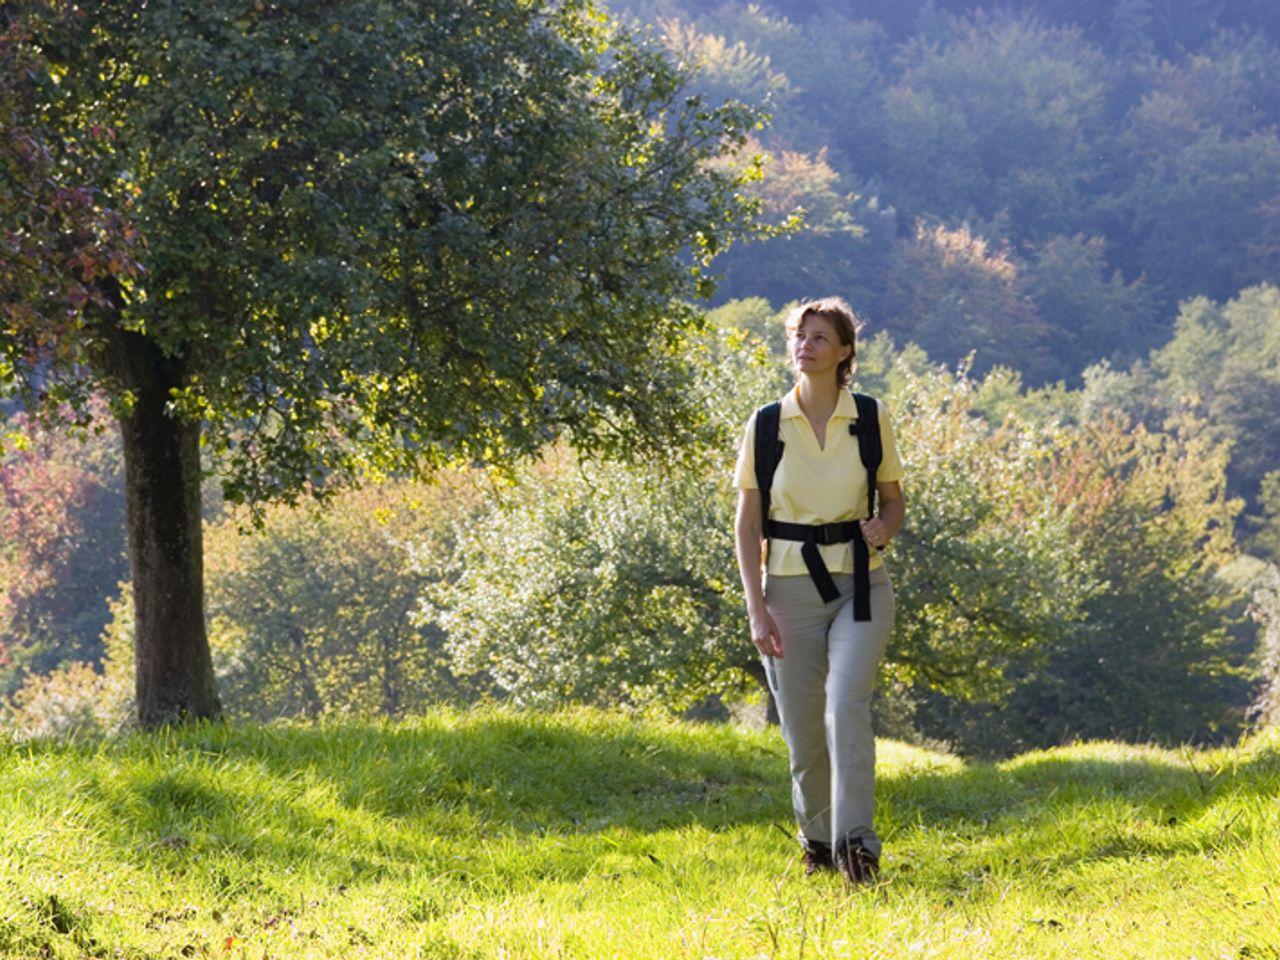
(583, 834)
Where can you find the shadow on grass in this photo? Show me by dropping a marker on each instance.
(356, 801)
(359, 800)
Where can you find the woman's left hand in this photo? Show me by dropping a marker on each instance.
(875, 531)
(879, 530)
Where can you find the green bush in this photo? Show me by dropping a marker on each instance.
(310, 612)
(80, 697)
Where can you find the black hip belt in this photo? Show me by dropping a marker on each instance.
(814, 534)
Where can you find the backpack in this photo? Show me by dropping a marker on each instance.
(768, 448)
(768, 454)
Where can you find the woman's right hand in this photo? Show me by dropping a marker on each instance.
(749, 545)
(764, 633)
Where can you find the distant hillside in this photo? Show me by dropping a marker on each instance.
(1040, 182)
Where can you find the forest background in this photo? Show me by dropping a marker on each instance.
(1062, 225)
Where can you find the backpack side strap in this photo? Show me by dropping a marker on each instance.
(871, 450)
(768, 453)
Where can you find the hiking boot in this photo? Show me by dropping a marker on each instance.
(817, 858)
(858, 864)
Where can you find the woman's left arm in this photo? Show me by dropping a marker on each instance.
(880, 529)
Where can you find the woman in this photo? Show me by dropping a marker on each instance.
(820, 660)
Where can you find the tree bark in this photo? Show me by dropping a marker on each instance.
(308, 693)
(174, 679)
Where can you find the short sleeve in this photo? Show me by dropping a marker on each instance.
(890, 463)
(744, 474)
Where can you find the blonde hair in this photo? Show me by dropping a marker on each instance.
(841, 316)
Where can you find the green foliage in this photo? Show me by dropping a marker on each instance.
(1056, 576)
(798, 185)
(1000, 120)
(1226, 187)
(595, 584)
(1001, 394)
(955, 293)
(78, 697)
(1131, 27)
(62, 241)
(884, 370)
(1155, 655)
(606, 583)
(1123, 154)
(346, 272)
(1092, 315)
(756, 317)
(1230, 87)
(1196, 196)
(310, 611)
(1224, 361)
(1267, 539)
(816, 218)
(725, 70)
(496, 833)
(835, 69)
(1158, 648)
(1265, 610)
(332, 237)
(1220, 367)
(986, 573)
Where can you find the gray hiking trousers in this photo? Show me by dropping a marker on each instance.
(823, 685)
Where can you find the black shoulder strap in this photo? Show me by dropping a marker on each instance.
(768, 452)
(867, 430)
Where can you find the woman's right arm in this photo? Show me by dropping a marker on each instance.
(749, 536)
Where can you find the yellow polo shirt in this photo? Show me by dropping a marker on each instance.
(818, 485)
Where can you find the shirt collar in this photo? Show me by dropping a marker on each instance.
(845, 407)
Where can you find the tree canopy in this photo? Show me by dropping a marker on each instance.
(347, 206)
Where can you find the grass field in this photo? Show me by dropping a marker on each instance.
(585, 834)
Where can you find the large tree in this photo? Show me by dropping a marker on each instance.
(376, 234)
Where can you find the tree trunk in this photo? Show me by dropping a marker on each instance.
(308, 694)
(390, 685)
(174, 678)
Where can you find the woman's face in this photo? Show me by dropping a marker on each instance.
(815, 346)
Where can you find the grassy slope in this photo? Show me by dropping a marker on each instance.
(488, 834)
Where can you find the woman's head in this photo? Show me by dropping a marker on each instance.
(842, 322)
